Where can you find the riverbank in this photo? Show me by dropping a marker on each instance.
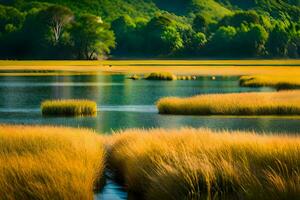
(178, 67)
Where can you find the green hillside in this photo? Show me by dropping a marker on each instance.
(111, 9)
(177, 28)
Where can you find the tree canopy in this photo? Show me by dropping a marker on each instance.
(62, 29)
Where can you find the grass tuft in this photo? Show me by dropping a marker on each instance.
(134, 77)
(203, 164)
(259, 103)
(49, 162)
(69, 107)
(161, 76)
(278, 82)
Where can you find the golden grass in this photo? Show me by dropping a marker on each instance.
(279, 82)
(49, 163)
(69, 107)
(203, 164)
(259, 103)
(134, 77)
(179, 67)
(161, 76)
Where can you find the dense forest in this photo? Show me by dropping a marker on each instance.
(93, 29)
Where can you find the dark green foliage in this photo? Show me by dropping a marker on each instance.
(248, 17)
(61, 29)
(91, 37)
(200, 24)
(278, 41)
(11, 19)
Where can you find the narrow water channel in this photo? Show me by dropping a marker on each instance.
(111, 190)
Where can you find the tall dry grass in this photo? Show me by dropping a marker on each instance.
(279, 82)
(203, 164)
(69, 107)
(49, 163)
(258, 103)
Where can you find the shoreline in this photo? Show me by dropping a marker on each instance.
(179, 67)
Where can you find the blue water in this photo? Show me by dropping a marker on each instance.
(125, 103)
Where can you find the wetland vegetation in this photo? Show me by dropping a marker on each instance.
(69, 107)
(279, 82)
(269, 103)
(43, 162)
(203, 164)
(251, 154)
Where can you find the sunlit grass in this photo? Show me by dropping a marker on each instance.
(259, 103)
(202, 164)
(160, 76)
(178, 67)
(279, 82)
(166, 76)
(49, 163)
(69, 107)
(134, 77)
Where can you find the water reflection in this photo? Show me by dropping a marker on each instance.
(124, 103)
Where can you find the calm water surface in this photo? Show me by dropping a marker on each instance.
(124, 103)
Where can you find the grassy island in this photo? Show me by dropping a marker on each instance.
(258, 103)
(279, 82)
(69, 107)
(49, 162)
(161, 76)
(202, 164)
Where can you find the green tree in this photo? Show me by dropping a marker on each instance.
(193, 42)
(56, 17)
(91, 37)
(171, 40)
(11, 19)
(127, 38)
(250, 41)
(162, 36)
(200, 24)
(222, 40)
(241, 17)
(293, 47)
(278, 42)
